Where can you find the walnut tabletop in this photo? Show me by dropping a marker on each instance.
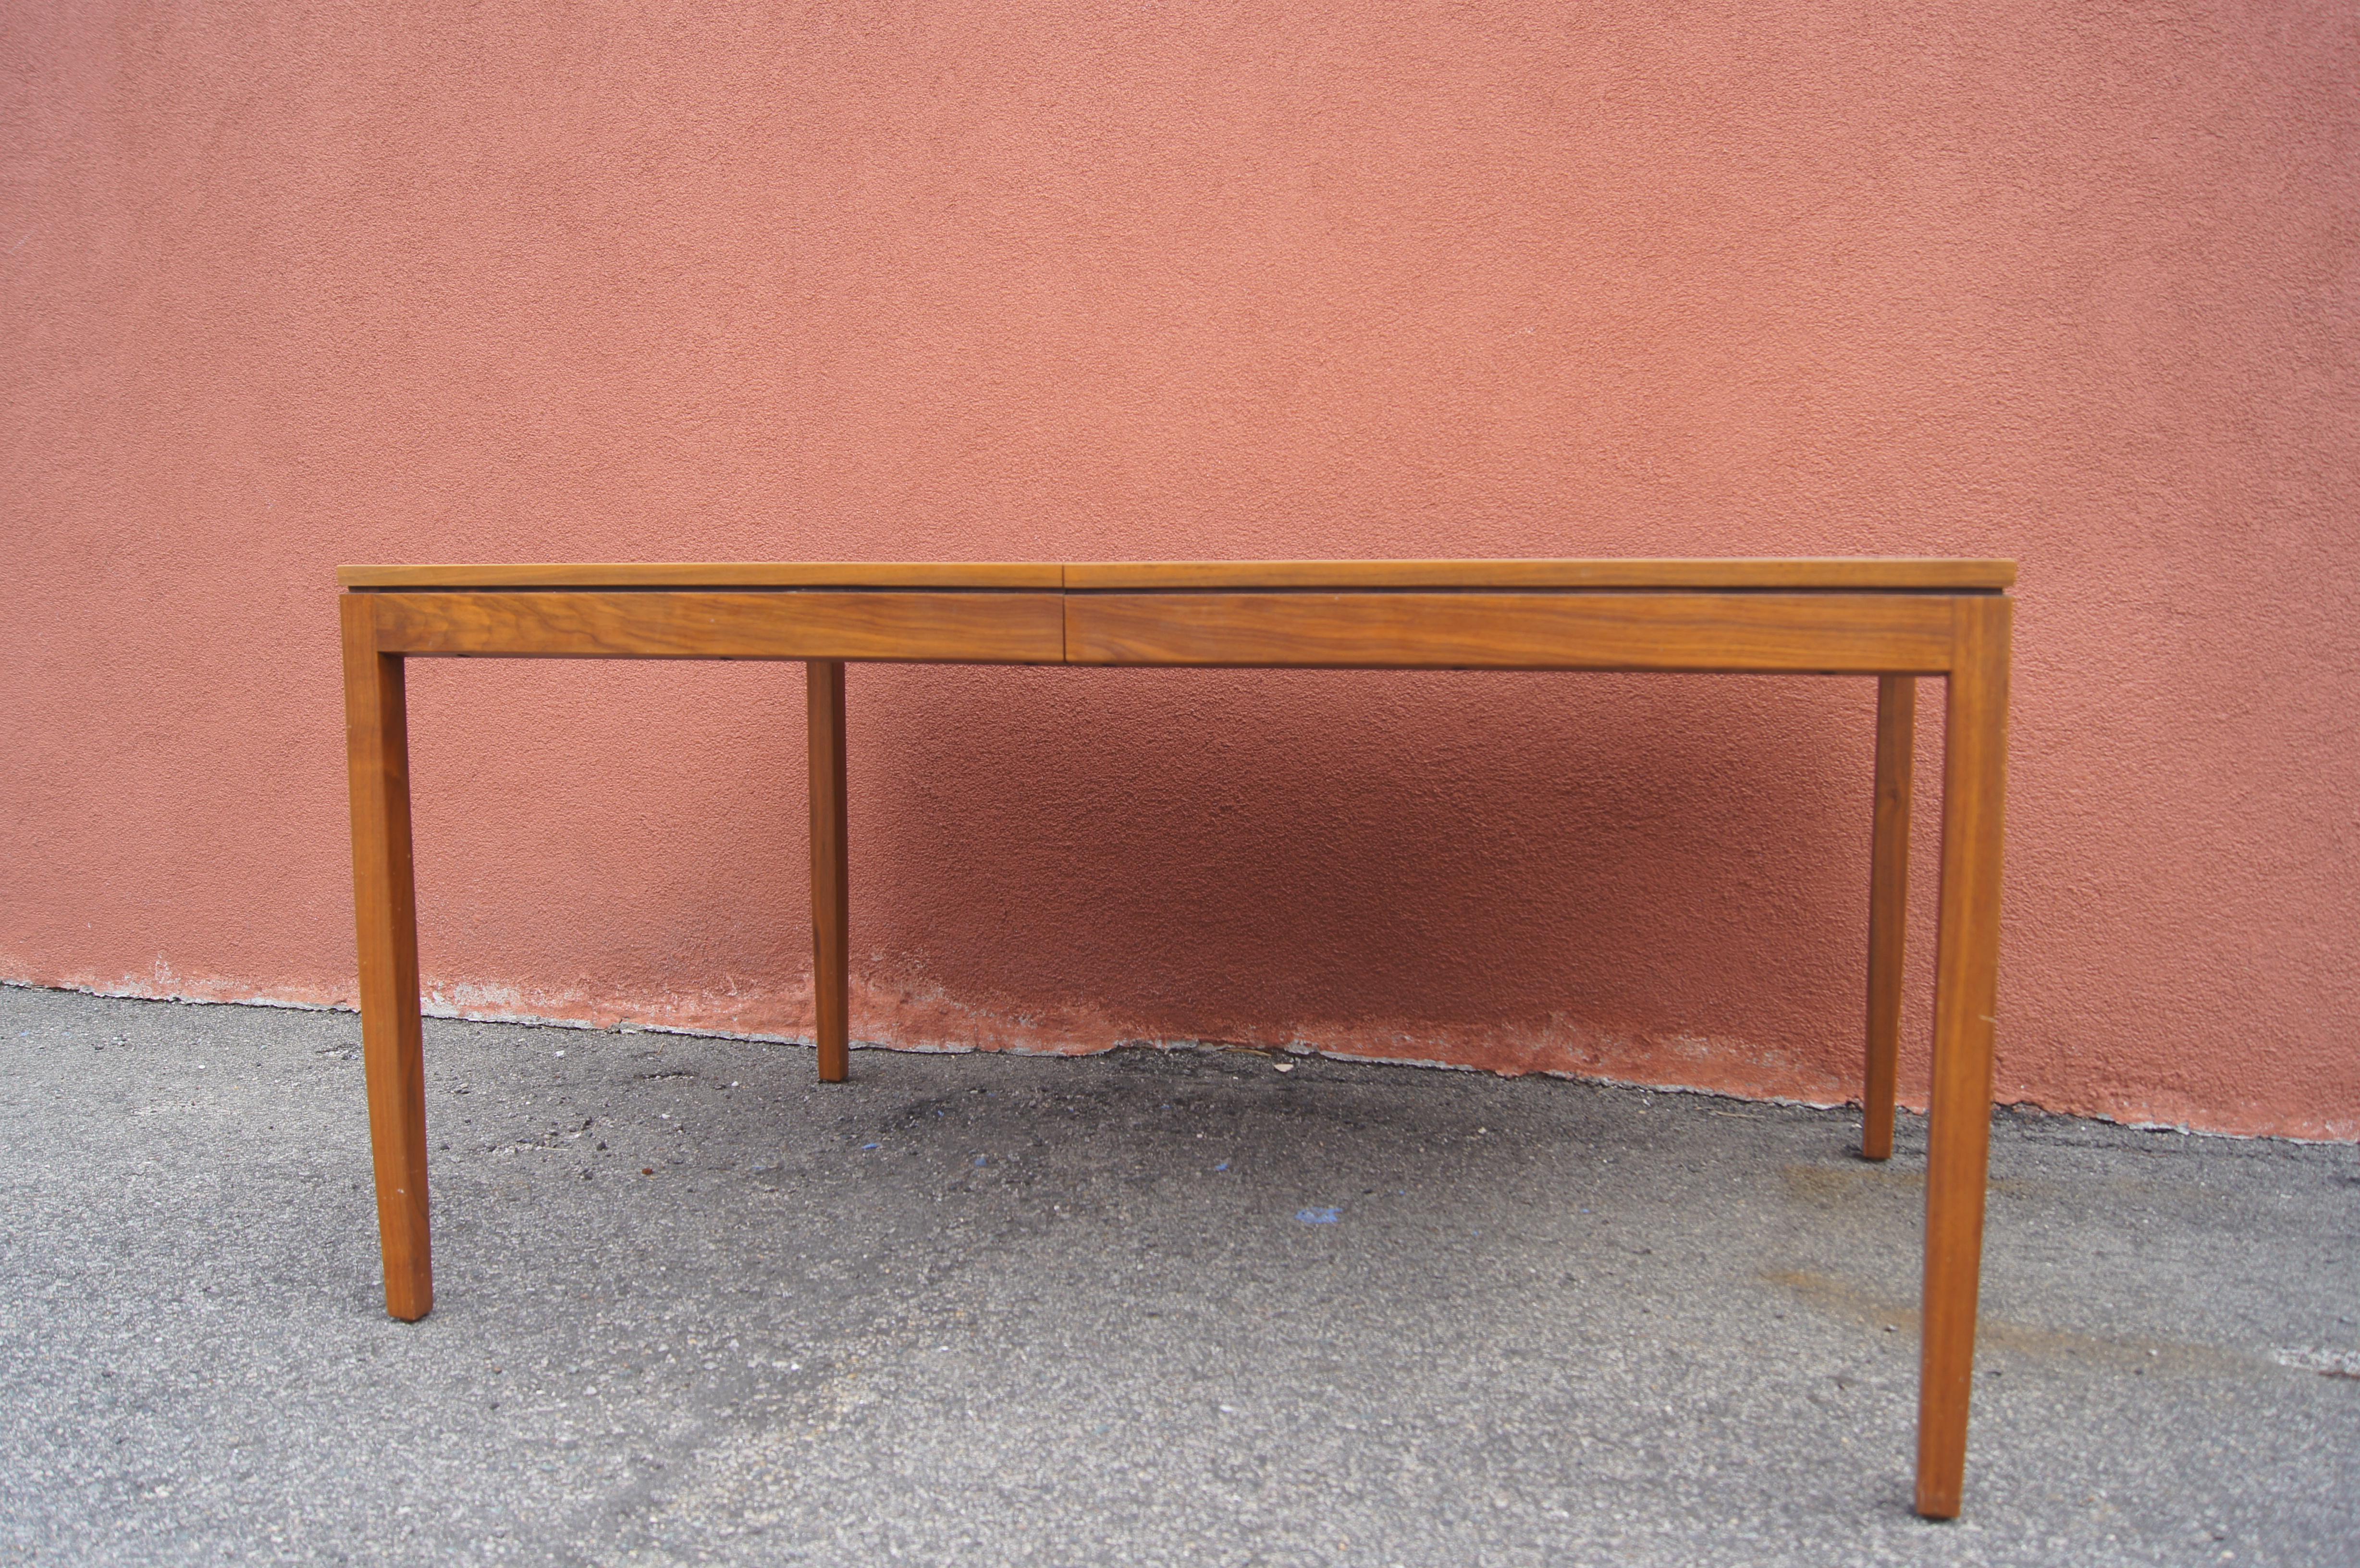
(1896, 620)
(1922, 574)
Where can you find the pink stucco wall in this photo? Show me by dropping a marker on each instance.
(302, 285)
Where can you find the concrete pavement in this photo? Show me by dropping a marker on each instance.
(1146, 1307)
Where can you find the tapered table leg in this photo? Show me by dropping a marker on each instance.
(1889, 908)
(384, 910)
(830, 879)
(1966, 990)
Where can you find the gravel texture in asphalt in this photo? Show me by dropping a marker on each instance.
(1143, 1307)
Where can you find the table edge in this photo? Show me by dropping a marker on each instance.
(1853, 573)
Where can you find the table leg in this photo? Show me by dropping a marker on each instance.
(1966, 992)
(830, 877)
(1888, 906)
(384, 910)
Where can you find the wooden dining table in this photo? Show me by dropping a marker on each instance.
(1895, 619)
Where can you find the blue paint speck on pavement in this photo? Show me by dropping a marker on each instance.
(1319, 1216)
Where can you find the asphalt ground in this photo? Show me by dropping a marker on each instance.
(1144, 1307)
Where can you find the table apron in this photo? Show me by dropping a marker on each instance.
(917, 627)
(1800, 633)
(1732, 632)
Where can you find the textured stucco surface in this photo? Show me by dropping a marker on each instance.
(2075, 285)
